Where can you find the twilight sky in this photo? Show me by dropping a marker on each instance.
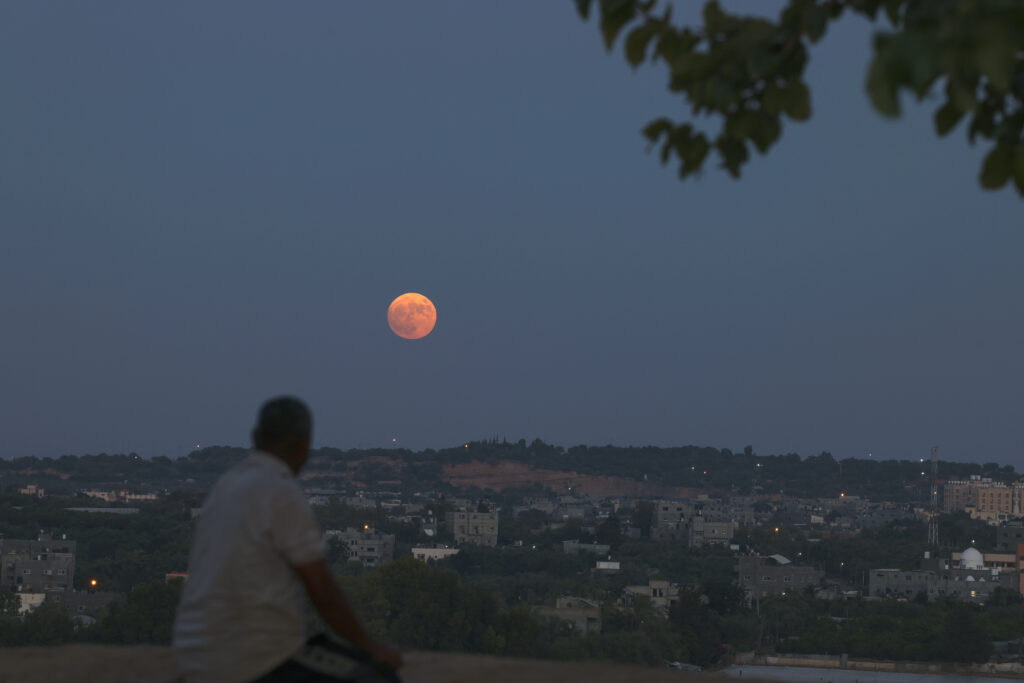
(206, 204)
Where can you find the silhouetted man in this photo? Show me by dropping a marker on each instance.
(257, 549)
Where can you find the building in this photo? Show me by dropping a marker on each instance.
(478, 527)
(698, 522)
(42, 565)
(670, 520)
(429, 555)
(584, 615)
(120, 495)
(574, 547)
(365, 546)
(92, 604)
(775, 575)
(29, 601)
(32, 490)
(967, 578)
(701, 532)
(661, 594)
(1009, 536)
(984, 498)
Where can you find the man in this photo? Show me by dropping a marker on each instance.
(257, 549)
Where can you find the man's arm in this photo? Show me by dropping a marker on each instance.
(332, 605)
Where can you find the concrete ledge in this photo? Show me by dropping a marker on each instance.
(147, 664)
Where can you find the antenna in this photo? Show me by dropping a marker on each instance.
(933, 515)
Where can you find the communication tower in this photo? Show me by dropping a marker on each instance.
(933, 513)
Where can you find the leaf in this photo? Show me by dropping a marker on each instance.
(996, 60)
(881, 89)
(996, 168)
(868, 7)
(765, 130)
(983, 122)
(637, 41)
(734, 154)
(961, 93)
(583, 7)
(656, 128)
(615, 14)
(1018, 168)
(815, 22)
(713, 16)
(892, 10)
(697, 148)
(772, 99)
(946, 118)
(798, 102)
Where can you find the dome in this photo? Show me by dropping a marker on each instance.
(972, 559)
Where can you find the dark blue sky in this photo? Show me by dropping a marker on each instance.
(203, 205)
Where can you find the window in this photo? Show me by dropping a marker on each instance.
(26, 572)
(787, 579)
(62, 572)
(766, 578)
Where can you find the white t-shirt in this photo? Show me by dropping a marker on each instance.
(242, 609)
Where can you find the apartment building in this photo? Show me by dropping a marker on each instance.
(477, 526)
(365, 545)
(984, 498)
(42, 565)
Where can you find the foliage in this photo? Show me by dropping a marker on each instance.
(748, 72)
(938, 631)
(146, 616)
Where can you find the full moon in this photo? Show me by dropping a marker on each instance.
(412, 316)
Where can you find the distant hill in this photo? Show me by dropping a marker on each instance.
(653, 471)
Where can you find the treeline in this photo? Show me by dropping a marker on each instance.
(941, 631)
(419, 606)
(740, 473)
(145, 616)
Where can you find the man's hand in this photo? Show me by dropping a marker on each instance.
(333, 607)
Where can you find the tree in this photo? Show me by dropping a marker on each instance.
(146, 616)
(749, 71)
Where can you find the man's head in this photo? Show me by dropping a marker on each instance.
(284, 428)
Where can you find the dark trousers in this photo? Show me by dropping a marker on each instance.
(325, 660)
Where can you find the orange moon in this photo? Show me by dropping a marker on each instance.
(412, 316)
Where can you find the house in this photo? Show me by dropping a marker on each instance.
(429, 555)
(661, 594)
(477, 526)
(774, 575)
(574, 547)
(584, 615)
(32, 490)
(365, 546)
(701, 532)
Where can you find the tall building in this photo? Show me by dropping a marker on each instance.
(42, 565)
(983, 498)
(478, 527)
(365, 545)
